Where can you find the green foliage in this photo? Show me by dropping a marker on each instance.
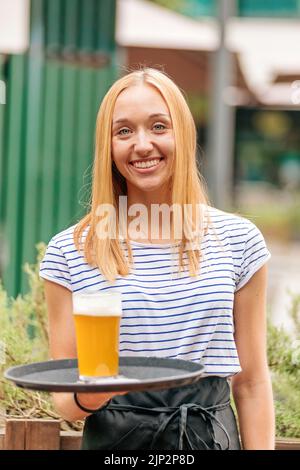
(24, 339)
(24, 332)
(284, 362)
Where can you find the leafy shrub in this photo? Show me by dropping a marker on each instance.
(24, 339)
(284, 362)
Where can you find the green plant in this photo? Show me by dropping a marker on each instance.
(284, 362)
(24, 339)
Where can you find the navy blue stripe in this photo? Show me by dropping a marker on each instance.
(178, 298)
(87, 271)
(171, 331)
(169, 286)
(53, 254)
(68, 244)
(69, 237)
(145, 287)
(223, 373)
(220, 364)
(177, 273)
(71, 251)
(158, 349)
(174, 339)
(53, 246)
(165, 349)
(134, 279)
(75, 259)
(61, 278)
(185, 264)
(181, 314)
(191, 352)
(253, 253)
(232, 357)
(151, 325)
(173, 263)
(55, 262)
(160, 309)
(53, 269)
(175, 292)
(235, 243)
(172, 253)
(248, 247)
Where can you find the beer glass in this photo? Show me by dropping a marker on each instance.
(97, 321)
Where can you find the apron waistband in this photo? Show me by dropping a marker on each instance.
(206, 413)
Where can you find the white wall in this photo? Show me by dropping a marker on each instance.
(14, 26)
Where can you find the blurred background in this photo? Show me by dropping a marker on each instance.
(238, 62)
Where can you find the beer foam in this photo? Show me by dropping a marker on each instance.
(98, 304)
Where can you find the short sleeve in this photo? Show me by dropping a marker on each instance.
(54, 266)
(255, 255)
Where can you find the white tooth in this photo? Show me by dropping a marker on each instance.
(146, 164)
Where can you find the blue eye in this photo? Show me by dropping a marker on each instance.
(160, 126)
(121, 131)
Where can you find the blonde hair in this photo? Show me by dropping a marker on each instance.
(108, 184)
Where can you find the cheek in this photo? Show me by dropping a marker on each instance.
(118, 153)
(169, 146)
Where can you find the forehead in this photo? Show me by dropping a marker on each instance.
(142, 98)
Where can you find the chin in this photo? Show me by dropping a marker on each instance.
(151, 188)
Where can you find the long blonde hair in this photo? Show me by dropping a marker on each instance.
(108, 184)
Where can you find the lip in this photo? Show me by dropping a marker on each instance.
(146, 170)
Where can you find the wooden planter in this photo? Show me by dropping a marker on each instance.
(42, 434)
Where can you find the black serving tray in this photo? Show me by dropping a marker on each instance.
(136, 374)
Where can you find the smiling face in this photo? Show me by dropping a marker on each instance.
(142, 140)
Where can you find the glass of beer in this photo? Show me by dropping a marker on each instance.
(97, 321)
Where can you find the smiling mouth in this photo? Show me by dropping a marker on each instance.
(146, 164)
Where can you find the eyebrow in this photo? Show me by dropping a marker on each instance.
(118, 121)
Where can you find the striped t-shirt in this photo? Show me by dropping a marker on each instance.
(167, 314)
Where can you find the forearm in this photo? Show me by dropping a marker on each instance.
(255, 408)
(66, 407)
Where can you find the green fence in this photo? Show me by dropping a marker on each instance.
(269, 8)
(47, 125)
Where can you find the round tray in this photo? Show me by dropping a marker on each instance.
(136, 374)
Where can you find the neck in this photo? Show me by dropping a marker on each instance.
(151, 230)
(163, 196)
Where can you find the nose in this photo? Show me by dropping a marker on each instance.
(143, 144)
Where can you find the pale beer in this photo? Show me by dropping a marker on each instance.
(97, 321)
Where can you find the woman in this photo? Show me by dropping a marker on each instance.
(197, 294)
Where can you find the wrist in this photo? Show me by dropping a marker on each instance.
(87, 405)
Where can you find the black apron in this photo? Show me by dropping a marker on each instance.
(192, 417)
